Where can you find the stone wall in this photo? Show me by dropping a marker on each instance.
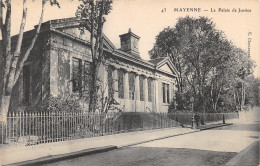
(38, 61)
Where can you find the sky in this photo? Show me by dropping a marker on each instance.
(146, 19)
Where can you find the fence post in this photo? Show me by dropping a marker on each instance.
(6, 127)
(29, 121)
(36, 126)
(13, 119)
(2, 133)
(41, 126)
(63, 126)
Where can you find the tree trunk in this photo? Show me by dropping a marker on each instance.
(93, 88)
(13, 67)
(92, 92)
(5, 101)
(97, 56)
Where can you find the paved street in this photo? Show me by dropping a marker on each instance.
(209, 147)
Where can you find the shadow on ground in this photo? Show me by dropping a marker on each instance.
(241, 127)
(251, 157)
(144, 156)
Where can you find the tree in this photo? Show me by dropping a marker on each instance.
(92, 13)
(253, 91)
(223, 80)
(168, 43)
(11, 59)
(196, 47)
(244, 68)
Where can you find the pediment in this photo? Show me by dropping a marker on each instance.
(167, 66)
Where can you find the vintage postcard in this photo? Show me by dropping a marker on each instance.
(129, 82)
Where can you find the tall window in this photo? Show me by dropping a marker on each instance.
(149, 82)
(120, 75)
(87, 75)
(141, 83)
(131, 78)
(76, 75)
(26, 83)
(110, 82)
(163, 90)
(166, 93)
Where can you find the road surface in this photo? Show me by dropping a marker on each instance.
(209, 147)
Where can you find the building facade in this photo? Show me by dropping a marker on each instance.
(61, 51)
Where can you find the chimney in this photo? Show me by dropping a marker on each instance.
(129, 43)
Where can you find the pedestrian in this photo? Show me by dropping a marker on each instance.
(197, 119)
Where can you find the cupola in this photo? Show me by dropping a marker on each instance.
(129, 43)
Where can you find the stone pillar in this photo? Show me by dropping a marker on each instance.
(146, 94)
(170, 92)
(137, 94)
(126, 92)
(115, 84)
(156, 95)
(54, 75)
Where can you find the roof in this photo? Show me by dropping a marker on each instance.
(58, 24)
(157, 60)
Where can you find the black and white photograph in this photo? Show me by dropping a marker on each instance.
(129, 82)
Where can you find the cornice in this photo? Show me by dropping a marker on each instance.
(75, 38)
(129, 57)
(53, 25)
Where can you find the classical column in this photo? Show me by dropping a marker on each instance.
(146, 94)
(137, 93)
(126, 92)
(115, 84)
(171, 92)
(156, 98)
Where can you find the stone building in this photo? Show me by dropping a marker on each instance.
(61, 50)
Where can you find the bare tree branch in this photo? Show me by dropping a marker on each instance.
(7, 45)
(21, 63)
(1, 17)
(22, 25)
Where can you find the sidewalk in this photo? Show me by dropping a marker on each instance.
(212, 125)
(60, 150)
(15, 154)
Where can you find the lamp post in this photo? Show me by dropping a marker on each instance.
(192, 122)
(222, 105)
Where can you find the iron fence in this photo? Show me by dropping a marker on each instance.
(31, 128)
